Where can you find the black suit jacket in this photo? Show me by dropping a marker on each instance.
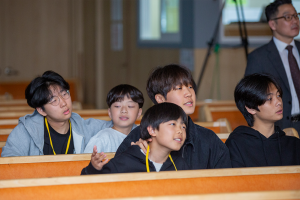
(266, 59)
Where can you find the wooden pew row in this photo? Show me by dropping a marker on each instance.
(256, 195)
(44, 166)
(128, 185)
(220, 126)
(83, 113)
(17, 90)
(222, 136)
(12, 123)
(211, 103)
(231, 113)
(14, 102)
(2, 144)
(4, 134)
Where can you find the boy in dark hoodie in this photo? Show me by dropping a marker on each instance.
(259, 98)
(166, 125)
(202, 149)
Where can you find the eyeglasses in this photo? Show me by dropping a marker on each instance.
(55, 99)
(289, 17)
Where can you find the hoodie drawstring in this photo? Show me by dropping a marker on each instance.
(276, 131)
(263, 148)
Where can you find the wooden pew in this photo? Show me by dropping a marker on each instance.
(8, 123)
(17, 89)
(233, 115)
(222, 136)
(13, 103)
(44, 166)
(27, 109)
(211, 103)
(291, 132)
(220, 127)
(12, 123)
(256, 195)
(86, 113)
(2, 144)
(128, 185)
(4, 134)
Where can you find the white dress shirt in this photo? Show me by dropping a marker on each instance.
(283, 52)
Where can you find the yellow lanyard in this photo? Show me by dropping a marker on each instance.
(147, 162)
(46, 122)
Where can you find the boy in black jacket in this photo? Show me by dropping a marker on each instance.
(166, 125)
(258, 97)
(202, 149)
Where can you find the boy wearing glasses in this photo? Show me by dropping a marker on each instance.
(52, 128)
(280, 58)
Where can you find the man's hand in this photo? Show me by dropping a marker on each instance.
(98, 159)
(143, 144)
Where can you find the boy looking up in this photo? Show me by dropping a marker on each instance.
(166, 125)
(52, 128)
(125, 104)
(202, 148)
(258, 97)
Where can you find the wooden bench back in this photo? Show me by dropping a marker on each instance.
(221, 127)
(291, 132)
(44, 166)
(165, 183)
(231, 113)
(17, 89)
(83, 113)
(255, 195)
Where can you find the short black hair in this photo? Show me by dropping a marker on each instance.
(158, 114)
(163, 79)
(118, 93)
(252, 91)
(38, 92)
(272, 9)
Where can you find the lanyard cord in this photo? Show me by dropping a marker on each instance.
(46, 122)
(147, 161)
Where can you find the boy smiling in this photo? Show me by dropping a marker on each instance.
(165, 124)
(202, 148)
(125, 104)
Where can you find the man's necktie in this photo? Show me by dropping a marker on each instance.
(295, 72)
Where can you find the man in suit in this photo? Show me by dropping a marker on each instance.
(280, 58)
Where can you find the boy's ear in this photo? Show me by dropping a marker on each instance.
(139, 113)
(151, 131)
(41, 111)
(160, 98)
(109, 113)
(251, 111)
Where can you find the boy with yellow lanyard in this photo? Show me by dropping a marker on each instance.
(52, 128)
(165, 124)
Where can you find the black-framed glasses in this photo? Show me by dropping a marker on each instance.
(289, 17)
(56, 99)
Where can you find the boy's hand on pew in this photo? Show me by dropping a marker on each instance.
(98, 159)
(143, 144)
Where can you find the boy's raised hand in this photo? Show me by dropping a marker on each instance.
(98, 159)
(143, 144)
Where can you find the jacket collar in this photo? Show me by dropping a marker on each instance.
(190, 133)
